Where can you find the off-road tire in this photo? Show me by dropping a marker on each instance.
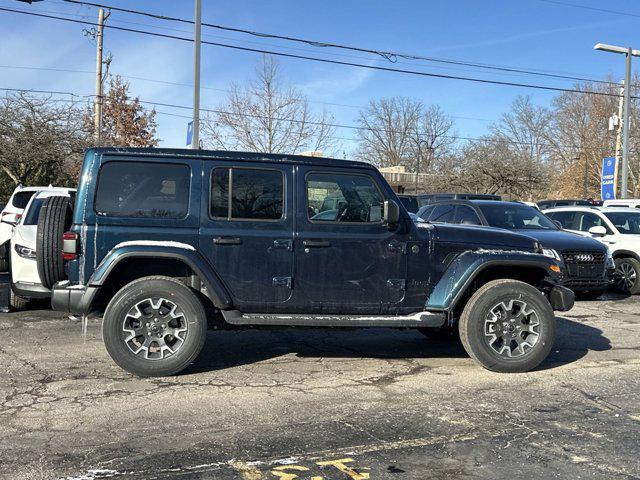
(441, 334)
(16, 303)
(472, 325)
(590, 294)
(54, 219)
(138, 291)
(633, 265)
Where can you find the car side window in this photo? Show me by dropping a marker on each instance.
(442, 213)
(143, 189)
(466, 215)
(246, 194)
(564, 218)
(337, 197)
(585, 221)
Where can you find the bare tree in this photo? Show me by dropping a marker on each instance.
(267, 116)
(387, 132)
(40, 139)
(433, 139)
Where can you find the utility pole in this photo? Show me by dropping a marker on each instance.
(626, 120)
(620, 126)
(97, 108)
(195, 142)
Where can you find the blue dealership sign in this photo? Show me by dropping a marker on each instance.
(608, 182)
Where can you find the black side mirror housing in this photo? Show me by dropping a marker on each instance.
(391, 214)
(558, 224)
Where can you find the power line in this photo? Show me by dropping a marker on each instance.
(324, 60)
(585, 7)
(388, 55)
(165, 82)
(325, 124)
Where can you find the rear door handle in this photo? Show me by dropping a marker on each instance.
(316, 243)
(227, 240)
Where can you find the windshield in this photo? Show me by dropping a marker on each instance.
(516, 217)
(626, 222)
(410, 203)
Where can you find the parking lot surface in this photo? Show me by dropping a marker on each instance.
(322, 404)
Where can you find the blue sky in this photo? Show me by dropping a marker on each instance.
(531, 34)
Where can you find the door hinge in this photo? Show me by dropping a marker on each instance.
(397, 284)
(282, 282)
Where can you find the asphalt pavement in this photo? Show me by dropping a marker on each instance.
(321, 404)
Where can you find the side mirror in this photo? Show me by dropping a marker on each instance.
(558, 224)
(391, 214)
(598, 231)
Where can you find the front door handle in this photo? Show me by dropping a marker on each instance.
(316, 243)
(227, 240)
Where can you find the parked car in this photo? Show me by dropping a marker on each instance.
(588, 263)
(410, 202)
(162, 238)
(28, 272)
(616, 227)
(9, 217)
(544, 204)
(627, 202)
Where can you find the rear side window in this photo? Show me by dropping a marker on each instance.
(442, 214)
(564, 218)
(20, 199)
(466, 215)
(246, 194)
(143, 189)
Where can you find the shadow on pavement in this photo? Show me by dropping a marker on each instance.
(227, 349)
(573, 341)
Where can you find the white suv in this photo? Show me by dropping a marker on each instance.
(26, 283)
(617, 227)
(10, 216)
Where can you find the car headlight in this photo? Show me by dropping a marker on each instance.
(551, 253)
(25, 252)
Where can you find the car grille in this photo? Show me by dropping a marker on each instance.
(584, 265)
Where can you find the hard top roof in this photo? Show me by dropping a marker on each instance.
(228, 155)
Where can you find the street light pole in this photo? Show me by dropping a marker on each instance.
(195, 142)
(626, 125)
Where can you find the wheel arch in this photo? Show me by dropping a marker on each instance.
(466, 275)
(625, 254)
(124, 265)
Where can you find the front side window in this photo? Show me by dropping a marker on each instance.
(246, 194)
(333, 197)
(589, 220)
(626, 223)
(143, 189)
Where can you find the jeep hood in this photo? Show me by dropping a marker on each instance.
(480, 236)
(561, 240)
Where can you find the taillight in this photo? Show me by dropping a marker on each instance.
(69, 245)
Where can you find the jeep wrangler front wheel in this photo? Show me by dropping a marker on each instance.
(507, 326)
(154, 326)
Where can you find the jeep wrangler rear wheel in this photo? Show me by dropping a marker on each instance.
(507, 326)
(154, 326)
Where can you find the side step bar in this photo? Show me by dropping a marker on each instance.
(416, 320)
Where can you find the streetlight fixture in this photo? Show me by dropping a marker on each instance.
(629, 52)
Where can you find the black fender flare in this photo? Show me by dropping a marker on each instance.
(215, 289)
(466, 267)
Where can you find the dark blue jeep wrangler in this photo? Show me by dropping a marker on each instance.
(165, 241)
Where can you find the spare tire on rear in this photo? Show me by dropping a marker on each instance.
(54, 219)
